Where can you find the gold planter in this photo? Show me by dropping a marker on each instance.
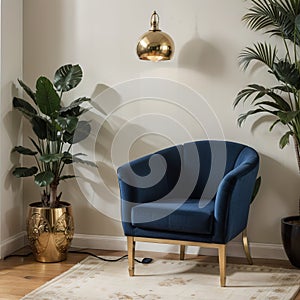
(50, 231)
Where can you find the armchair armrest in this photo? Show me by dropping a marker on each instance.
(233, 197)
(147, 179)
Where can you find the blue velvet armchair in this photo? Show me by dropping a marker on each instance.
(198, 193)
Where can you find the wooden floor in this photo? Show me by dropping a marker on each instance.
(19, 276)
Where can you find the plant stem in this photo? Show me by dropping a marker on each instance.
(296, 145)
(53, 194)
(63, 165)
(286, 48)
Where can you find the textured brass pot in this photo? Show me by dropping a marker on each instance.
(50, 231)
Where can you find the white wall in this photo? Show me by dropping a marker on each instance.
(11, 202)
(101, 36)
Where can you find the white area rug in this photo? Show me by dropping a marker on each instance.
(169, 279)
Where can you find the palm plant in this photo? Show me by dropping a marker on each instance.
(56, 127)
(280, 18)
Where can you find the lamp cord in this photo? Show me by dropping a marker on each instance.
(145, 260)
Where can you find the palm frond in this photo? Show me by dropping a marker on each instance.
(262, 52)
(285, 139)
(262, 14)
(277, 17)
(274, 124)
(287, 73)
(289, 10)
(267, 103)
(248, 92)
(287, 117)
(283, 88)
(242, 118)
(260, 91)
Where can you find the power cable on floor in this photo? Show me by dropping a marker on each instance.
(145, 260)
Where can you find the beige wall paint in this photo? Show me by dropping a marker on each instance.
(11, 204)
(101, 36)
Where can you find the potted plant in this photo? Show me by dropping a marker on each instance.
(279, 19)
(56, 128)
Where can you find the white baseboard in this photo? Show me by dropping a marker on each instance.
(234, 249)
(12, 244)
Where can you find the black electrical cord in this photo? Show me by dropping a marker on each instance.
(145, 260)
(17, 255)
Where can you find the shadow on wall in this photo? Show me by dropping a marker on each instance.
(109, 123)
(13, 127)
(277, 198)
(279, 173)
(201, 56)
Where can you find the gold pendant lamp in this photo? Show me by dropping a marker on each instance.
(155, 45)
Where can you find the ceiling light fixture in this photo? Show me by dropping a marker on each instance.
(155, 45)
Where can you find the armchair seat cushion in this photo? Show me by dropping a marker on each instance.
(191, 216)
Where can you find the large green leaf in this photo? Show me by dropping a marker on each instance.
(47, 158)
(67, 77)
(23, 106)
(47, 98)
(81, 132)
(52, 131)
(74, 109)
(24, 151)
(28, 90)
(38, 148)
(67, 123)
(39, 126)
(75, 103)
(44, 178)
(45, 129)
(73, 112)
(24, 172)
(69, 159)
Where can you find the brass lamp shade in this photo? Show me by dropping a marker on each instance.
(155, 45)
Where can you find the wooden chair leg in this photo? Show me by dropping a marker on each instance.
(182, 251)
(131, 254)
(246, 246)
(222, 264)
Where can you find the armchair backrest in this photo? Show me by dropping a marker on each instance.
(192, 170)
(211, 160)
(150, 177)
